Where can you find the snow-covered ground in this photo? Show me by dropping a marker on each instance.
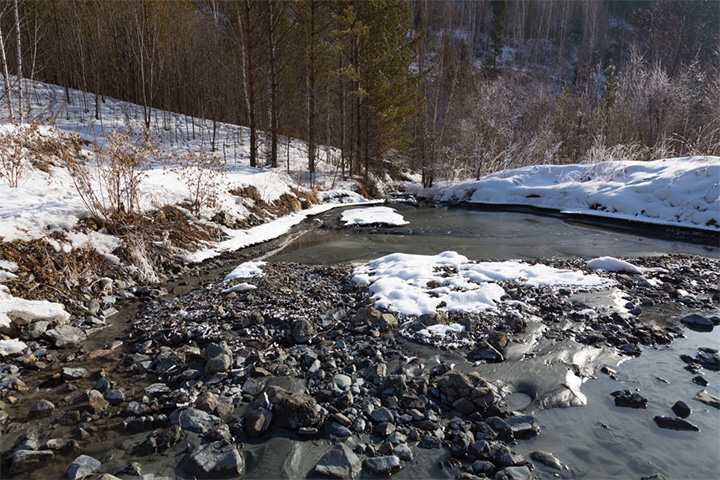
(682, 192)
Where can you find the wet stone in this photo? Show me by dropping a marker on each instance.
(675, 423)
(698, 323)
(403, 451)
(514, 473)
(704, 397)
(257, 421)
(216, 459)
(547, 458)
(115, 397)
(681, 409)
(386, 465)
(26, 460)
(626, 398)
(340, 462)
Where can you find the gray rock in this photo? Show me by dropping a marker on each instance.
(334, 429)
(387, 321)
(252, 387)
(381, 415)
(96, 401)
(483, 466)
(82, 467)
(220, 363)
(302, 330)
(514, 473)
(36, 330)
(216, 459)
(485, 351)
(548, 459)
(403, 451)
(42, 408)
(194, 420)
(523, 427)
(24, 460)
(340, 462)
(386, 465)
(207, 402)
(69, 374)
(115, 397)
(215, 349)
(342, 381)
(65, 336)
(698, 322)
(156, 390)
(502, 455)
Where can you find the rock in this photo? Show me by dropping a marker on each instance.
(483, 467)
(514, 473)
(65, 336)
(221, 363)
(386, 465)
(548, 459)
(96, 401)
(302, 330)
(698, 323)
(707, 399)
(24, 460)
(36, 330)
(502, 455)
(367, 315)
(214, 460)
(334, 429)
(430, 441)
(342, 381)
(403, 451)
(257, 421)
(115, 397)
(464, 406)
(340, 462)
(82, 467)
(293, 410)
(674, 423)
(70, 374)
(194, 420)
(41, 409)
(700, 380)
(381, 415)
(485, 351)
(523, 427)
(655, 476)
(387, 321)
(435, 318)
(708, 358)
(626, 398)
(206, 402)
(504, 432)
(681, 409)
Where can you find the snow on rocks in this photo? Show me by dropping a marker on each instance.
(682, 192)
(422, 284)
(17, 313)
(246, 270)
(385, 216)
(612, 264)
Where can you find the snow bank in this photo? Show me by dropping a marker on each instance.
(682, 192)
(418, 284)
(373, 216)
(246, 270)
(29, 310)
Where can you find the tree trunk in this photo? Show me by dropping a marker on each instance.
(6, 75)
(246, 30)
(273, 86)
(19, 61)
(311, 95)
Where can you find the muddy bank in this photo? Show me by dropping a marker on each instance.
(261, 376)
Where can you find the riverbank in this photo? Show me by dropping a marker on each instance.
(263, 374)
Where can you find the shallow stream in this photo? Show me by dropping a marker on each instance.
(598, 440)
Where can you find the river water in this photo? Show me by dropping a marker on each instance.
(598, 440)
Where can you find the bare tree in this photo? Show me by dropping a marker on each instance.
(19, 61)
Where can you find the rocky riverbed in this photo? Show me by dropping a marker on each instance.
(295, 374)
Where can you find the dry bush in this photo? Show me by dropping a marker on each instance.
(108, 183)
(16, 154)
(202, 174)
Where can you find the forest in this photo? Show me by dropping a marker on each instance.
(455, 88)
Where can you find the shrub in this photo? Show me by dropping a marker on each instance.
(202, 174)
(16, 152)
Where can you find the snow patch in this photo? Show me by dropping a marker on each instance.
(240, 287)
(612, 264)
(13, 307)
(246, 270)
(373, 216)
(11, 347)
(418, 284)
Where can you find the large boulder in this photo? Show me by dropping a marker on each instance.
(340, 462)
(194, 420)
(215, 460)
(65, 336)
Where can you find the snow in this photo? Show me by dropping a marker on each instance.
(246, 270)
(240, 287)
(612, 264)
(373, 216)
(30, 310)
(683, 192)
(11, 347)
(418, 284)
(441, 330)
